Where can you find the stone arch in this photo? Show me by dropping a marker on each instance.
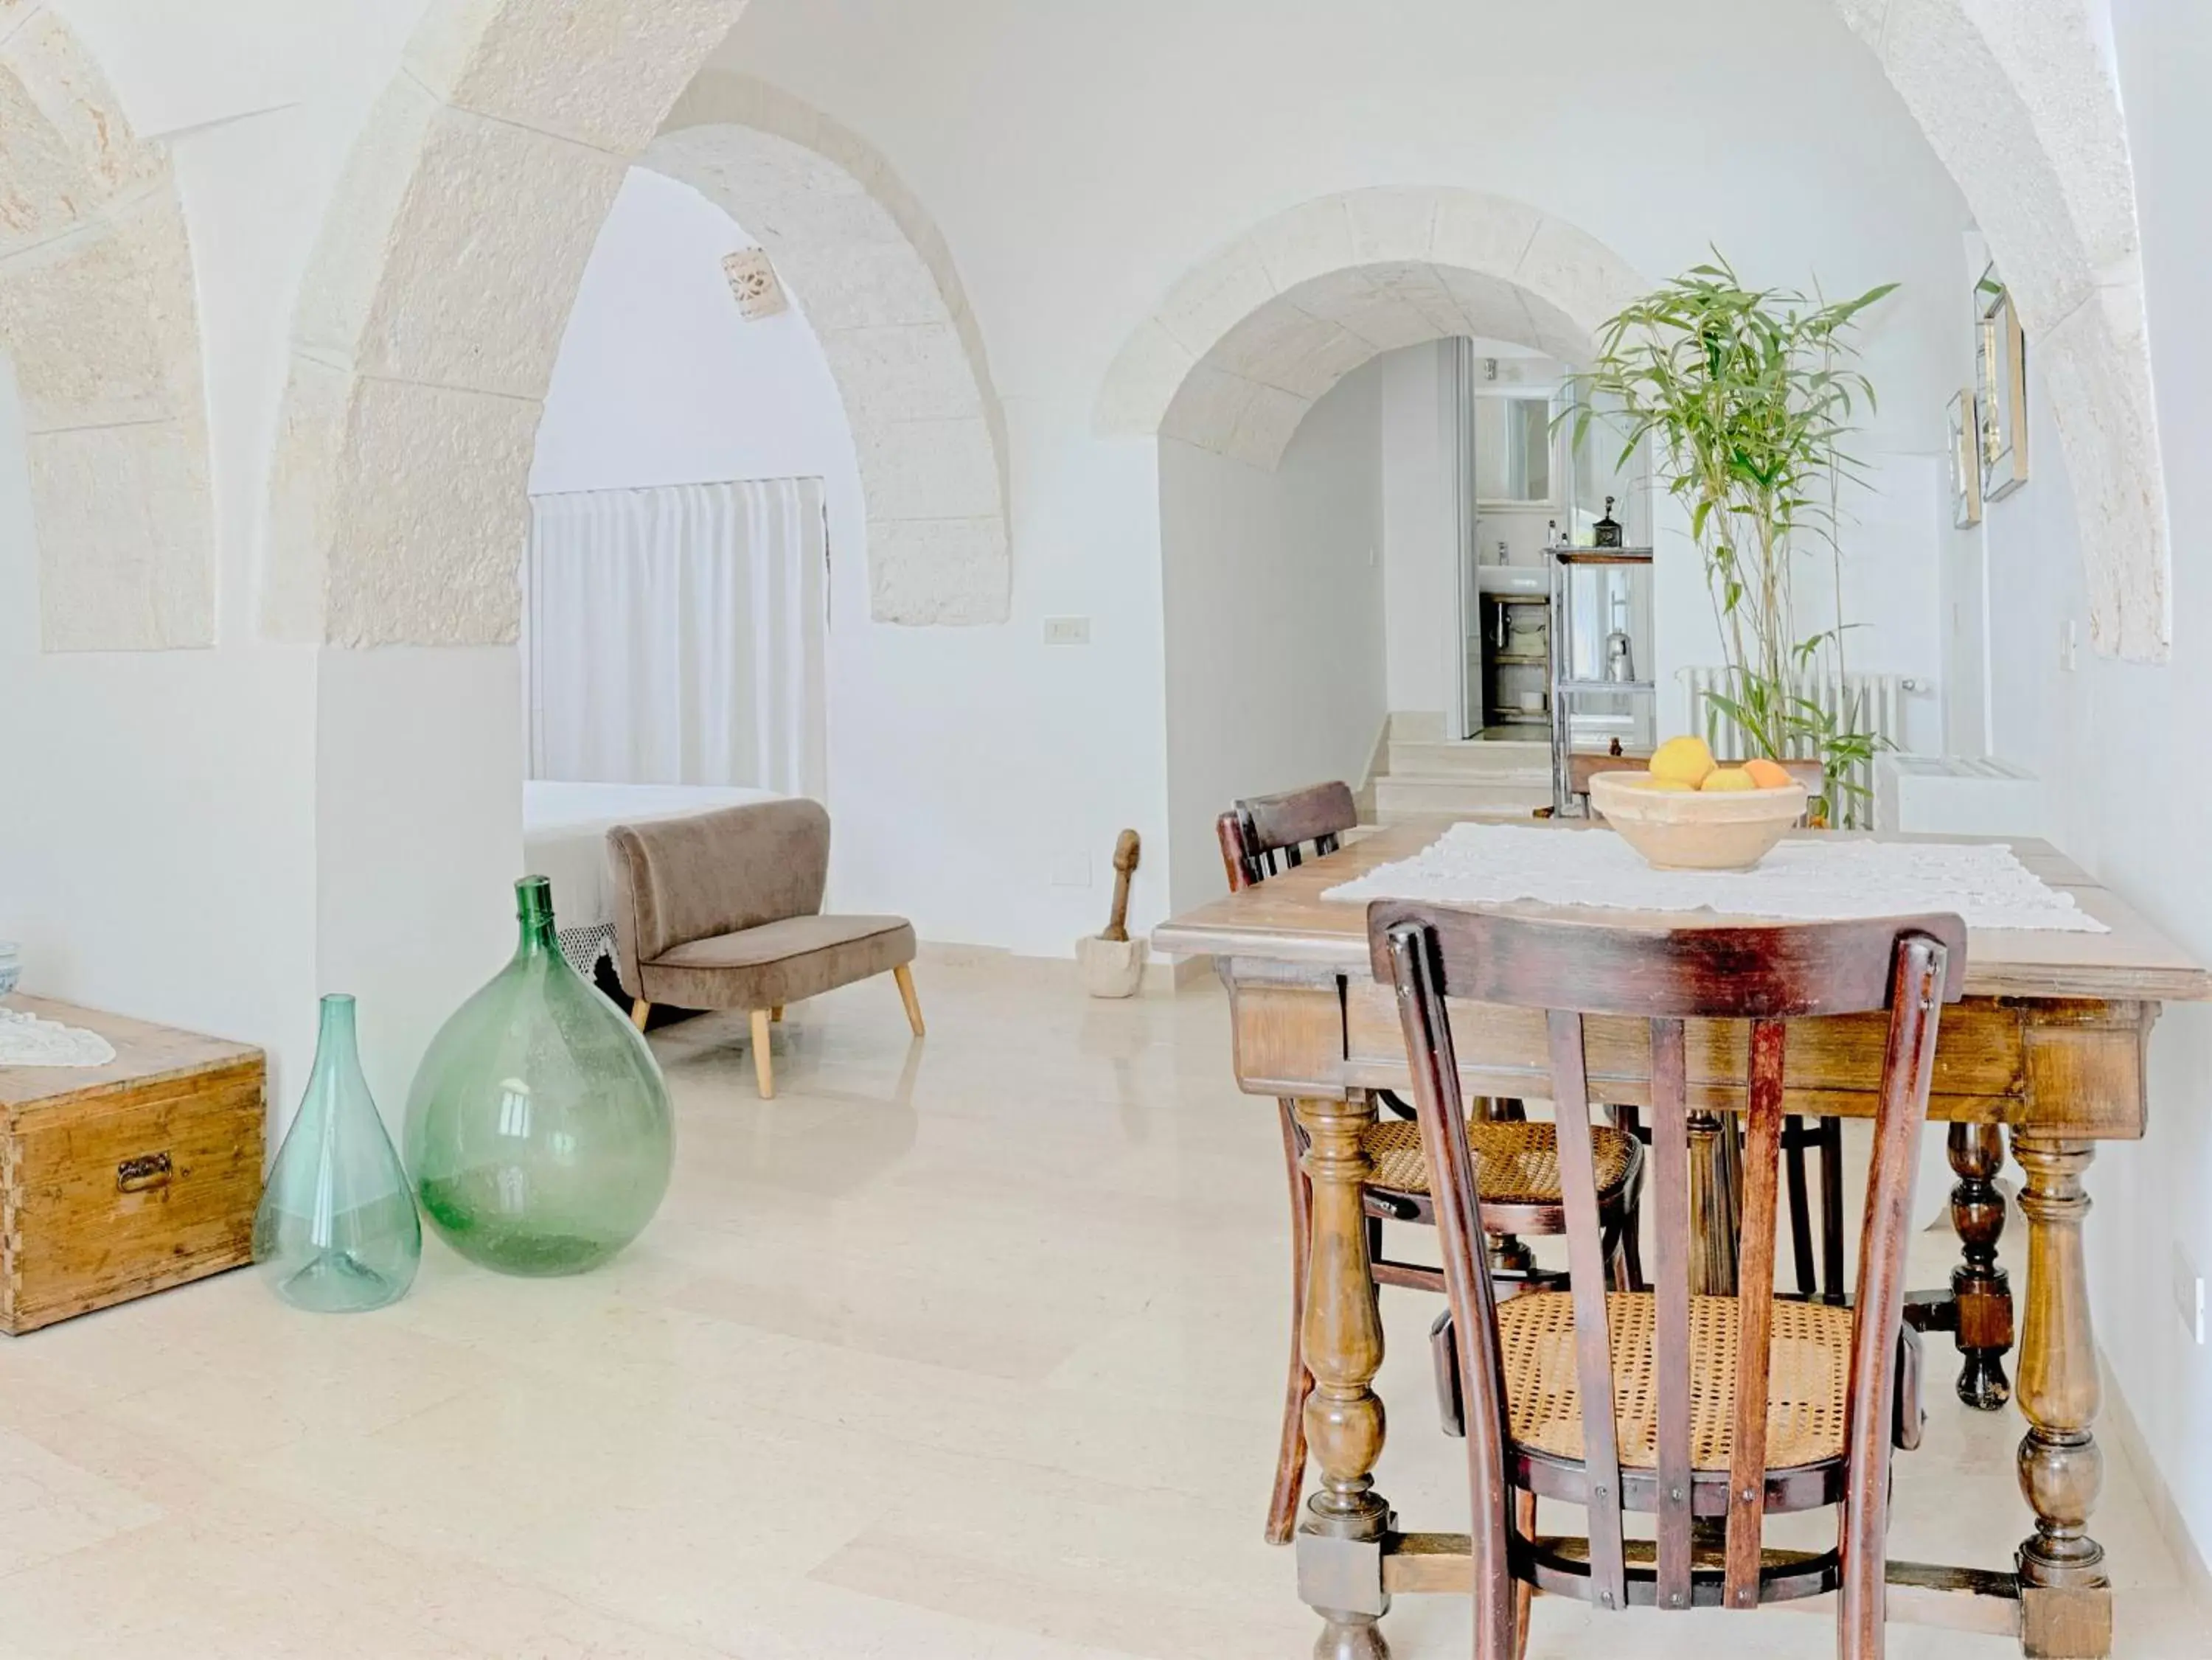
(1247, 343)
(880, 288)
(2018, 102)
(97, 311)
(432, 310)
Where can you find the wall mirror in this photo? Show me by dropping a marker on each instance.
(2001, 381)
(1513, 450)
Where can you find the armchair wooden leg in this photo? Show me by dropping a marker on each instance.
(776, 1015)
(639, 1011)
(763, 1066)
(905, 979)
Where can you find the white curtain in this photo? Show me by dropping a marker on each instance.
(678, 635)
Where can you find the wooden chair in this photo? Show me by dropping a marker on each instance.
(1822, 1277)
(1260, 837)
(1686, 1407)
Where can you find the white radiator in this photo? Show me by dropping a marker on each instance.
(1876, 705)
(1957, 796)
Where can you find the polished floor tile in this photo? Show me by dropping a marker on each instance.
(962, 1349)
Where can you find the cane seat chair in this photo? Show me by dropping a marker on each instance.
(1692, 1408)
(1518, 1161)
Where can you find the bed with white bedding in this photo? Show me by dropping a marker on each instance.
(564, 840)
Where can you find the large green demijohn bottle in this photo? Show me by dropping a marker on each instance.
(336, 1231)
(538, 1129)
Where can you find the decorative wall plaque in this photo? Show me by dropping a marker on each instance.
(753, 281)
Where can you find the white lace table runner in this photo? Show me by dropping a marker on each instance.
(26, 1040)
(1809, 880)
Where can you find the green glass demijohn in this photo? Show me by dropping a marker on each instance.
(538, 1129)
(336, 1231)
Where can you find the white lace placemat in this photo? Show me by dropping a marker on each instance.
(26, 1040)
(1813, 879)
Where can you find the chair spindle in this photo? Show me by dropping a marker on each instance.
(1586, 1271)
(1670, 1153)
(1754, 1307)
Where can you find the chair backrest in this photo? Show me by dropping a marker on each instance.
(1263, 834)
(691, 878)
(1665, 976)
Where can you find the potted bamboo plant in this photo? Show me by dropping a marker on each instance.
(1750, 395)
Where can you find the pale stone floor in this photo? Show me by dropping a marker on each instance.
(962, 1350)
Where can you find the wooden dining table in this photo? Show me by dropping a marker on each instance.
(2047, 1048)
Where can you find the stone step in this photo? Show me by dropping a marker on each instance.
(1473, 759)
(1398, 798)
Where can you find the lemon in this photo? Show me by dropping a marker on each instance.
(1648, 782)
(1687, 761)
(1725, 778)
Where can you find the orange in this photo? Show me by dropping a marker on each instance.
(1768, 774)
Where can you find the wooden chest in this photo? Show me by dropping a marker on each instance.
(119, 1180)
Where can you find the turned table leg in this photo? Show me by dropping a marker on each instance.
(1339, 1544)
(2066, 1601)
(1981, 1292)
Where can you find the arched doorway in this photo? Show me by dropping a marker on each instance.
(1289, 600)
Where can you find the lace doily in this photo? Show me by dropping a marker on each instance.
(26, 1040)
(1812, 879)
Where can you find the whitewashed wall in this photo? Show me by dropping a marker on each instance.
(1273, 587)
(2119, 745)
(1421, 530)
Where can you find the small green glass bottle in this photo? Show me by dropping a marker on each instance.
(336, 1231)
(538, 1129)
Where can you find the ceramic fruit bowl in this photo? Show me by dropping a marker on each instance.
(1696, 829)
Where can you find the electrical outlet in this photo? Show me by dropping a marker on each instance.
(2189, 1295)
(1071, 870)
(1067, 631)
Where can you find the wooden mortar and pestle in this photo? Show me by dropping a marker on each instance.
(1113, 964)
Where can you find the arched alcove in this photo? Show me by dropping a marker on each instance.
(97, 313)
